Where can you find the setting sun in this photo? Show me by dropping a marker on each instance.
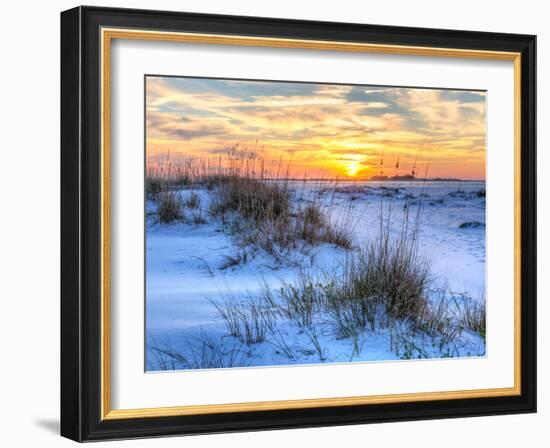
(352, 169)
(354, 165)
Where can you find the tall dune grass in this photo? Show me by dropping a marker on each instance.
(169, 206)
(253, 197)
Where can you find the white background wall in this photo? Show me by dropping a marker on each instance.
(29, 224)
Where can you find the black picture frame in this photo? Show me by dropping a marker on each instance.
(81, 224)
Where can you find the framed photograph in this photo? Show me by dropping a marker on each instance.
(273, 223)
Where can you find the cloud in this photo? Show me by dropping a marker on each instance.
(198, 131)
(376, 105)
(371, 91)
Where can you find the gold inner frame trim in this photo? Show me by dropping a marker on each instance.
(107, 35)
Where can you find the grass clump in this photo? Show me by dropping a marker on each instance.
(192, 201)
(480, 193)
(313, 227)
(298, 302)
(203, 352)
(169, 207)
(153, 185)
(260, 213)
(255, 200)
(386, 272)
(393, 272)
(246, 320)
(473, 315)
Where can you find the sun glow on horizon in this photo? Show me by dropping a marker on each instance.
(353, 168)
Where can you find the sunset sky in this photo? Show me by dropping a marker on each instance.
(323, 130)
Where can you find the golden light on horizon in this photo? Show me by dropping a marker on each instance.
(353, 168)
(353, 165)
